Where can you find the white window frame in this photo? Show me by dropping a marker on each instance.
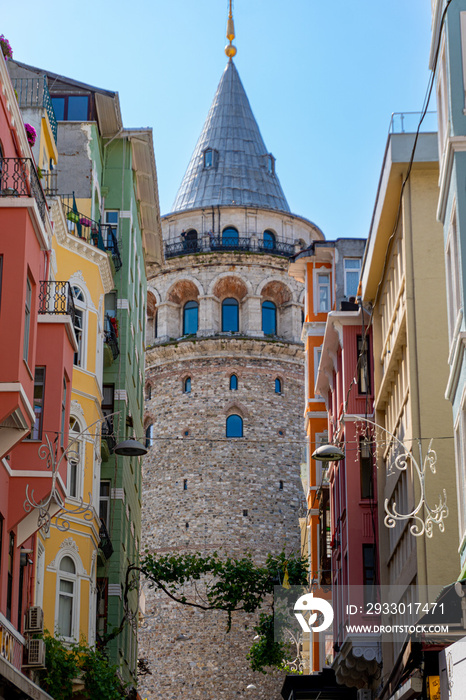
(317, 358)
(73, 578)
(351, 270)
(80, 305)
(320, 273)
(79, 462)
(453, 279)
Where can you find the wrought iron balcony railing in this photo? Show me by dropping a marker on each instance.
(111, 335)
(230, 243)
(49, 182)
(18, 178)
(105, 544)
(56, 298)
(100, 235)
(34, 92)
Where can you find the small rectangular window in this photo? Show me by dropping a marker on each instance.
(369, 571)
(63, 413)
(208, 158)
(39, 392)
(323, 292)
(78, 107)
(366, 469)
(364, 370)
(104, 502)
(59, 108)
(27, 319)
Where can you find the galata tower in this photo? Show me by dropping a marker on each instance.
(224, 394)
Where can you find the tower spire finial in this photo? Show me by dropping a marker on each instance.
(230, 50)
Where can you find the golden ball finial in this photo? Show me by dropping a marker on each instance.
(230, 50)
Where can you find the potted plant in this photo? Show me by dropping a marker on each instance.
(30, 134)
(84, 221)
(5, 47)
(73, 216)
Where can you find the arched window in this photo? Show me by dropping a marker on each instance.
(66, 597)
(187, 385)
(149, 435)
(278, 386)
(233, 382)
(234, 428)
(75, 475)
(190, 317)
(269, 239)
(230, 236)
(269, 318)
(230, 315)
(191, 235)
(79, 304)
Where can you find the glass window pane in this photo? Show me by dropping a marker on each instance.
(269, 239)
(233, 382)
(59, 108)
(77, 108)
(67, 564)
(187, 385)
(234, 426)
(230, 315)
(278, 386)
(65, 614)
(190, 318)
(230, 235)
(269, 318)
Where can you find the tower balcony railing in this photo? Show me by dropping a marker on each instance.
(209, 244)
(18, 178)
(100, 235)
(56, 298)
(34, 92)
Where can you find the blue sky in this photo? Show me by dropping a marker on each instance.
(322, 78)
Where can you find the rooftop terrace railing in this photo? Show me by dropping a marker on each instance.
(408, 122)
(34, 92)
(209, 244)
(18, 178)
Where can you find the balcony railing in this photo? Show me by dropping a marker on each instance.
(208, 244)
(18, 178)
(408, 123)
(111, 336)
(105, 544)
(34, 92)
(56, 298)
(49, 183)
(100, 235)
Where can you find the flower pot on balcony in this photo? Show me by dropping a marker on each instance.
(73, 216)
(84, 221)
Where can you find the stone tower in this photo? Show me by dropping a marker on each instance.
(224, 394)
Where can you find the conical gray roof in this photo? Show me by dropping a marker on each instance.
(242, 172)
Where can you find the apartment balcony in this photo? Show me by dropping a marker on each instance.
(18, 178)
(108, 442)
(34, 93)
(100, 235)
(246, 243)
(56, 298)
(408, 123)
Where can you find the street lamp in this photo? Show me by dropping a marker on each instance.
(328, 453)
(130, 448)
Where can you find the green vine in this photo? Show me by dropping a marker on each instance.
(231, 585)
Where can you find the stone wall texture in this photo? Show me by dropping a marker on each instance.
(204, 492)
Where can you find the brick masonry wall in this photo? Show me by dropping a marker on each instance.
(204, 492)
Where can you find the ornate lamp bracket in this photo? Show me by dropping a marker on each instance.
(423, 516)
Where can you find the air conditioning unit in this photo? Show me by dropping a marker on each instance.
(364, 694)
(34, 619)
(36, 653)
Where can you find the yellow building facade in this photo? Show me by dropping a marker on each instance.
(68, 556)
